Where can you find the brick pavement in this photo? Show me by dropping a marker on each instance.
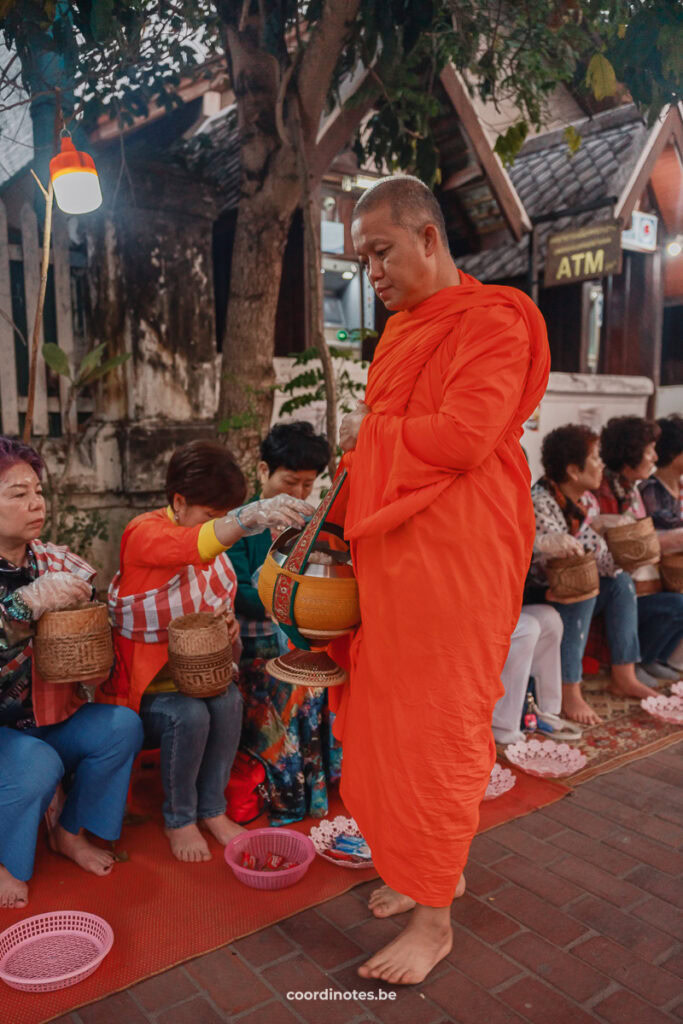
(572, 915)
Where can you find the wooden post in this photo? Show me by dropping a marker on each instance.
(36, 405)
(8, 377)
(61, 270)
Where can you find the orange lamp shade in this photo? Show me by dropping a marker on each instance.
(74, 179)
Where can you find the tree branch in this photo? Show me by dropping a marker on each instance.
(339, 131)
(320, 56)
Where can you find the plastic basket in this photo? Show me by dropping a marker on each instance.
(51, 951)
(291, 845)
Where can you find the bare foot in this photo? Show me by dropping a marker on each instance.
(222, 828)
(188, 844)
(626, 685)
(426, 940)
(385, 901)
(575, 707)
(13, 893)
(80, 850)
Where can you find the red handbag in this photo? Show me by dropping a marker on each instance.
(246, 791)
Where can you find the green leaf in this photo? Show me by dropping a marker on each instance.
(600, 77)
(91, 359)
(508, 145)
(56, 358)
(573, 139)
(105, 368)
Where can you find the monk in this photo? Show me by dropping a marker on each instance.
(441, 526)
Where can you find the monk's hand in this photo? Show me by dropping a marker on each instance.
(54, 591)
(350, 426)
(270, 514)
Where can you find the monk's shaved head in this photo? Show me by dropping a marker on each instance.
(411, 203)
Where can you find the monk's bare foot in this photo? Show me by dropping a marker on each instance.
(80, 850)
(425, 940)
(13, 893)
(222, 828)
(575, 707)
(385, 901)
(188, 844)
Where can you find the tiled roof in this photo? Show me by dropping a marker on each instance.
(548, 178)
(214, 153)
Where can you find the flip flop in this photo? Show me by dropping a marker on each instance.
(556, 727)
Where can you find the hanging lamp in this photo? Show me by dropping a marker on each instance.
(74, 179)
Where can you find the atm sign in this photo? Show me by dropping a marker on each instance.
(583, 253)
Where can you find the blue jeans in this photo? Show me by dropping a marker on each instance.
(617, 601)
(660, 625)
(198, 738)
(97, 745)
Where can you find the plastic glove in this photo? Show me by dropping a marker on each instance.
(321, 558)
(226, 612)
(602, 523)
(350, 426)
(54, 591)
(276, 513)
(558, 545)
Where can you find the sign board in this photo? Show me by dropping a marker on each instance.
(642, 235)
(583, 253)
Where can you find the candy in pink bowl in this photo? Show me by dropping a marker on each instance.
(547, 759)
(668, 709)
(51, 951)
(502, 780)
(324, 835)
(284, 842)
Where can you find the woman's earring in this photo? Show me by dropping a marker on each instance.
(175, 515)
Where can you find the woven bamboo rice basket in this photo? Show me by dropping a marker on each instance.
(573, 579)
(74, 646)
(671, 571)
(200, 654)
(634, 544)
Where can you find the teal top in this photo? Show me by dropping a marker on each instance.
(248, 555)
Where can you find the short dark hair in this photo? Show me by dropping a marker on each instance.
(670, 440)
(566, 446)
(205, 473)
(411, 202)
(624, 439)
(295, 446)
(13, 451)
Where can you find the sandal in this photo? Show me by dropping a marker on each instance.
(556, 727)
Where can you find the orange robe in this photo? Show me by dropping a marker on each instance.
(441, 526)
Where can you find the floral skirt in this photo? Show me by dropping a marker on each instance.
(289, 728)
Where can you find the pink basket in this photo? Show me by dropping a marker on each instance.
(286, 842)
(51, 951)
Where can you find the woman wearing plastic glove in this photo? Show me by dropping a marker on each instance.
(287, 727)
(564, 508)
(629, 446)
(47, 731)
(173, 561)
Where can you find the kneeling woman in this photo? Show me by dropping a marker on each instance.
(47, 731)
(172, 562)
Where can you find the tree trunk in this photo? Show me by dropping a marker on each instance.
(270, 192)
(248, 377)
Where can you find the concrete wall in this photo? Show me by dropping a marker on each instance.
(583, 398)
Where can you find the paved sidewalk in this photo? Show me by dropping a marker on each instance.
(572, 915)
